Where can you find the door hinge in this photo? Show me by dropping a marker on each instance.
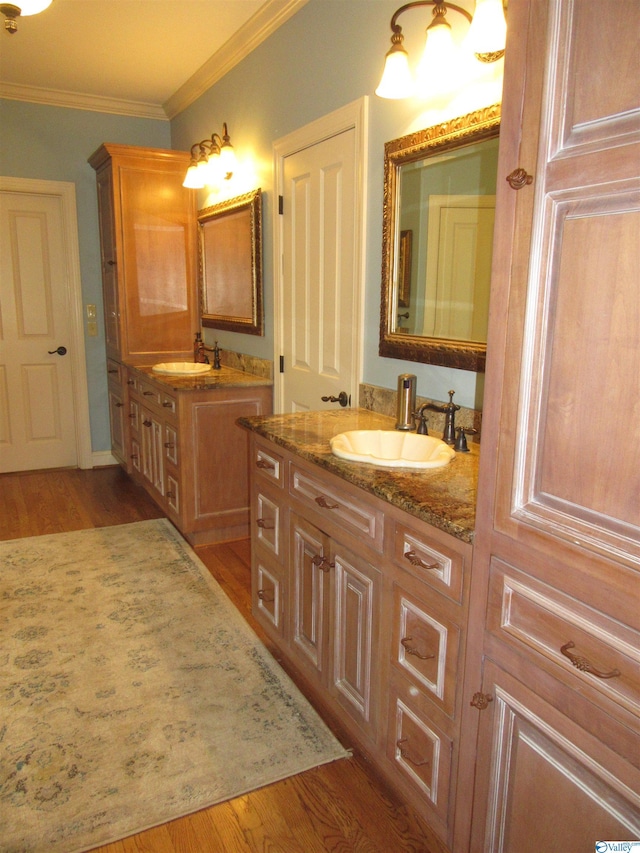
(280, 205)
(281, 364)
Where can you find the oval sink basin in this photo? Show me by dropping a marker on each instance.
(392, 448)
(181, 368)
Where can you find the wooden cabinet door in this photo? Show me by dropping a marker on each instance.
(355, 605)
(310, 589)
(546, 783)
(559, 489)
(117, 419)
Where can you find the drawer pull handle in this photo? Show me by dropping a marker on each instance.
(417, 561)
(133, 415)
(146, 423)
(112, 370)
(131, 381)
(134, 455)
(405, 754)
(583, 664)
(169, 445)
(149, 393)
(324, 503)
(263, 595)
(267, 466)
(119, 405)
(322, 563)
(411, 650)
(266, 523)
(171, 494)
(168, 404)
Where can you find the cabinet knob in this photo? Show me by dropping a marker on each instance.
(481, 700)
(418, 561)
(519, 179)
(585, 665)
(266, 523)
(146, 423)
(322, 563)
(119, 405)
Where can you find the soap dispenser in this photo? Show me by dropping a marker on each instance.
(406, 401)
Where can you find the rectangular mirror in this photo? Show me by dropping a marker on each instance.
(230, 264)
(437, 241)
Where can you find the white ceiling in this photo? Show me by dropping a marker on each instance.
(137, 57)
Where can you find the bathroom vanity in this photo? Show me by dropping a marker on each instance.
(360, 575)
(180, 441)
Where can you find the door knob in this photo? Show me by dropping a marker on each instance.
(342, 398)
(59, 351)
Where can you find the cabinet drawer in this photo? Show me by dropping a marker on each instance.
(168, 403)
(268, 593)
(149, 393)
(170, 444)
(115, 370)
(418, 748)
(267, 524)
(268, 465)
(426, 646)
(431, 560)
(356, 517)
(172, 491)
(602, 653)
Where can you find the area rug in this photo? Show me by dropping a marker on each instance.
(132, 691)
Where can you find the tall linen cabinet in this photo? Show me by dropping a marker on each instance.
(551, 726)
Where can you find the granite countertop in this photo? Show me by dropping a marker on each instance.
(225, 377)
(443, 497)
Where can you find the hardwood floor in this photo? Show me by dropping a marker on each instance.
(339, 807)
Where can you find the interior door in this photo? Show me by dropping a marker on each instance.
(37, 407)
(319, 285)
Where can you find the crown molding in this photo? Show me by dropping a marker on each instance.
(78, 101)
(273, 14)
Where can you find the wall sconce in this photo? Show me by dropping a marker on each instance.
(486, 39)
(10, 12)
(212, 161)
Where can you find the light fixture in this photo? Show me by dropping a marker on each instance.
(212, 161)
(486, 39)
(11, 12)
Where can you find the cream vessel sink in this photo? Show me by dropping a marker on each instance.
(181, 368)
(392, 448)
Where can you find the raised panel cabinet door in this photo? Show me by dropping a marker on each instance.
(355, 624)
(547, 784)
(310, 590)
(117, 418)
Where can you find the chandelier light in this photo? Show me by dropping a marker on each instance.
(485, 39)
(212, 161)
(11, 12)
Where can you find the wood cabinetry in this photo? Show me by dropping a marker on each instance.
(369, 605)
(185, 448)
(148, 253)
(116, 389)
(553, 733)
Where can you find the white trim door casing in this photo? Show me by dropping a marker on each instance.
(350, 118)
(71, 298)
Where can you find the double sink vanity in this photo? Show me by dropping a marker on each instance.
(360, 576)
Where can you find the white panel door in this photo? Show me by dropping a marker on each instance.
(319, 292)
(37, 410)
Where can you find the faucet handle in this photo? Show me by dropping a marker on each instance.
(461, 440)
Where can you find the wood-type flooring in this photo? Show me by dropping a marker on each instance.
(340, 807)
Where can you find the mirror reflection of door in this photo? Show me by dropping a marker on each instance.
(458, 268)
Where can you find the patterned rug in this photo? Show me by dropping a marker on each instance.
(132, 691)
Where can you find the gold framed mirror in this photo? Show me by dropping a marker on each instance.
(437, 240)
(230, 264)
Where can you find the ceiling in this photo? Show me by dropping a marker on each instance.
(138, 57)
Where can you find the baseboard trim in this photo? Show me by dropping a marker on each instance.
(103, 459)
